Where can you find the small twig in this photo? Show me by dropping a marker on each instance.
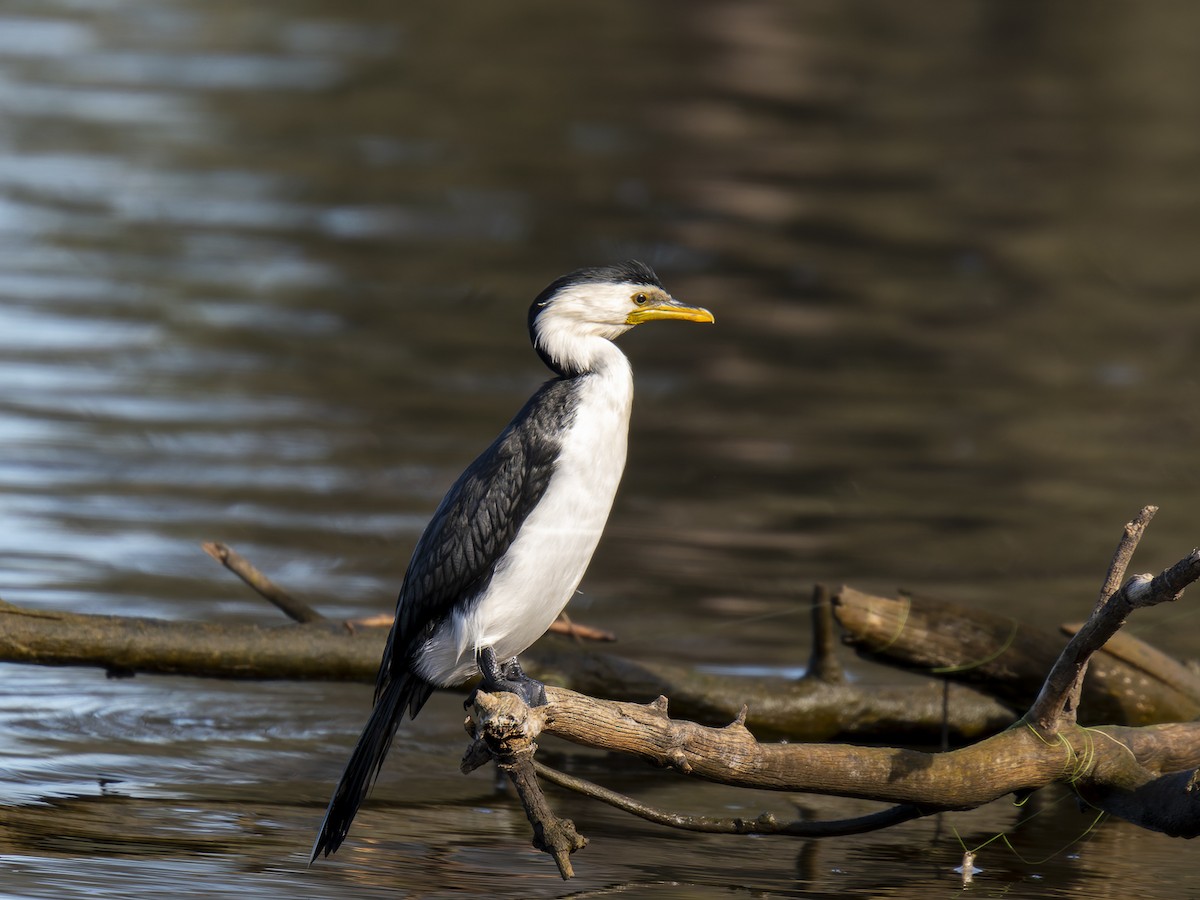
(382, 620)
(1134, 529)
(764, 824)
(561, 625)
(1130, 536)
(564, 625)
(823, 663)
(551, 834)
(245, 570)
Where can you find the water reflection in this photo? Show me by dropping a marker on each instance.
(263, 278)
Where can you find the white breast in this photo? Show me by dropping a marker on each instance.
(547, 559)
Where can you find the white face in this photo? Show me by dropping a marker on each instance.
(600, 310)
(574, 328)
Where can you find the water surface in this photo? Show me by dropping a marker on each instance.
(263, 279)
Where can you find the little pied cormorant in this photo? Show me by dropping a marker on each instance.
(510, 541)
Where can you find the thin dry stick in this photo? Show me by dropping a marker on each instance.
(1130, 536)
(764, 824)
(241, 567)
(564, 625)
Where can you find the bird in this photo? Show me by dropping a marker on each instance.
(509, 543)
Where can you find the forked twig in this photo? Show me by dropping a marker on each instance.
(1134, 529)
(1130, 536)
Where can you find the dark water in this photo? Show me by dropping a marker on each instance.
(263, 274)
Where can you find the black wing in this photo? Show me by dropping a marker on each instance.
(476, 523)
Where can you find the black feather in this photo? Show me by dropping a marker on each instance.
(363, 767)
(451, 567)
(477, 521)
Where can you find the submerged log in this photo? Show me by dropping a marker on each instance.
(808, 709)
(128, 645)
(1010, 659)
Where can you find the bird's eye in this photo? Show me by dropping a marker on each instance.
(641, 299)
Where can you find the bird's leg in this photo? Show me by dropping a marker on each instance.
(512, 670)
(508, 676)
(529, 689)
(489, 668)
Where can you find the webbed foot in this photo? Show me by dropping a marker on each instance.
(507, 676)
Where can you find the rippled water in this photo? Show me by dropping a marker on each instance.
(263, 275)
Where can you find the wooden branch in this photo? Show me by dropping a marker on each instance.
(763, 824)
(500, 725)
(796, 709)
(564, 625)
(295, 609)
(328, 651)
(1145, 658)
(1148, 776)
(1016, 760)
(1139, 592)
(1010, 659)
(124, 646)
(731, 755)
(1131, 535)
(1114, 767)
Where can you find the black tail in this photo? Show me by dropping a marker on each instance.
(406, 691)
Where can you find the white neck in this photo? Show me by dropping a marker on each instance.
(576, 353)
(575, 330)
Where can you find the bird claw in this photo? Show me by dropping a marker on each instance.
(507, 676)
(532, 691)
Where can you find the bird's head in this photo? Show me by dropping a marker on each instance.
(576, 311)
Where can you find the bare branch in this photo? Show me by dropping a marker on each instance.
(1115, 768)
(502, 724)
(580, 632)
(1139, 592)
(1010, 659)
(1130, 536)
(125, 645)
(240, 566)
(764, 824)
(1016, 760)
